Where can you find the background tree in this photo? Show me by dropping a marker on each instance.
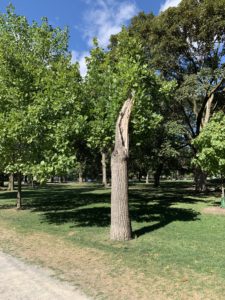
(211, 148)
(186, 43)
(38, 87)
(97, 87)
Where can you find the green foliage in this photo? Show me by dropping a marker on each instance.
(188, 37)
(211, 146)
(40, 97)
(112, 77)
(186, 43)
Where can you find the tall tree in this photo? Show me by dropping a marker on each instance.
(97, 88)
(120, 220)
(187, 43)
(38, 87)
(129, 74)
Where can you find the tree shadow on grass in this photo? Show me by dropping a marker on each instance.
(53, 199)
(157, 210)
(161, 216)
(90, 206)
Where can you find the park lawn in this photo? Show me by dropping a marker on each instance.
(177, 251)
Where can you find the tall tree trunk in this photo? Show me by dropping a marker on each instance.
(200, 180)
(104, 174)
(11, 182)
(120, 220)
(157, 175)
(19, 189)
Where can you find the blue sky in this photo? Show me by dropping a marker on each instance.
(87, 18)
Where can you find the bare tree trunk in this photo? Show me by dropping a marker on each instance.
(147, 179)
(19, 188)
(120, 220)
(80, 177)
(222, 187)
(11, 182)
(104, 174)
(32, 181)
(200, 180)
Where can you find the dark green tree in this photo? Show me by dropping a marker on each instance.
(186, 43)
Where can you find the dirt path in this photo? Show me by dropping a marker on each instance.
(19, 281)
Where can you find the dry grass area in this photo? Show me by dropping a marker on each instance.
(99, 274)
(214, 210)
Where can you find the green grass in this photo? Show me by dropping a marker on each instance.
(172, 236)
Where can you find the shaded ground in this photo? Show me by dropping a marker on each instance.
(19, 281)
(84, 207)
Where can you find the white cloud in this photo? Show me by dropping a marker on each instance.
(169, 3)
(105, 17)
(80, 58)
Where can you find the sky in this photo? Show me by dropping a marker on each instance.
(87, 18)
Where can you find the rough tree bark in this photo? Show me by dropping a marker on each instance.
(120, 220)
(104, 174)
(19, 189)
(11, 182)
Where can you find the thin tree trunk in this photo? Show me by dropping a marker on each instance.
(222, 186)
(120, 220)
(80, 177)
(104, 174)
(147, 179)
(19, 189)
(11, 182)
